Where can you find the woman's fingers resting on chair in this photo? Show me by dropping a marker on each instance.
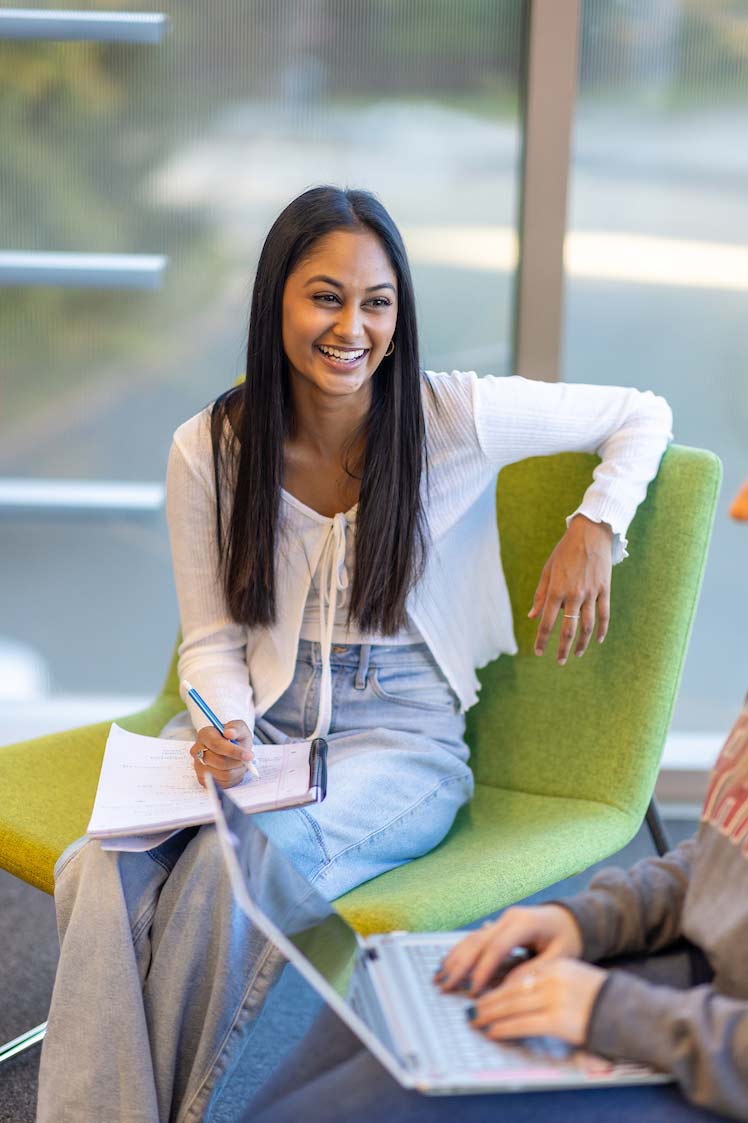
(214, 753)
(575, 581)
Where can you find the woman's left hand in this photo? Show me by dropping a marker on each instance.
(554, 998)
(575, 580)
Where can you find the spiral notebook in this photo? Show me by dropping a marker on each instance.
(148, 788)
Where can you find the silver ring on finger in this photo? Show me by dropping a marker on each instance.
(571, 616)
(200, 755)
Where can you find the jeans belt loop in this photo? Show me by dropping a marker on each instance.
(362, 673)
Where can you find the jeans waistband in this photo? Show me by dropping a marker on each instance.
(350, 655)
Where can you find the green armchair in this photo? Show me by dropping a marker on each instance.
(565, 758)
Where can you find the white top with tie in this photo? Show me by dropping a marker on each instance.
(460, 608)
(326, 605)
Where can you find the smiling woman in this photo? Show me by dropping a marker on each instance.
(357, 327)
(331, 379)
(327, 519)
(334, 275)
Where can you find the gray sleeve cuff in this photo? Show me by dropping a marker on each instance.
(697, 1036)
(629, 1021)
(624, 1020)
(590, 918)
(634, 1020)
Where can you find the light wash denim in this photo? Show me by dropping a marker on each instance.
(161, 976)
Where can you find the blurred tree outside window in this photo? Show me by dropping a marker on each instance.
(656, 262)
(190, 148)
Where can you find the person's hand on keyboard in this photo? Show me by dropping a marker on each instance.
(484, 956)
(550, 999)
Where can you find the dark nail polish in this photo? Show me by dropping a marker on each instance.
(471, 1012)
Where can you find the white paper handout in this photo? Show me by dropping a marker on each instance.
(148, 787)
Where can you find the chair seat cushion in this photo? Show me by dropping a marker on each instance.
(504, 845)
(49, 786)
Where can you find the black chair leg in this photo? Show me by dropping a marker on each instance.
(657, 828)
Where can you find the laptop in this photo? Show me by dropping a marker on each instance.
(381, 986)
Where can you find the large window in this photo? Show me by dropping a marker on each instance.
(179, 153)
(188, 148)
(657, 267)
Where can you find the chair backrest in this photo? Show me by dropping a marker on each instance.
(595, 728)
(170, 689)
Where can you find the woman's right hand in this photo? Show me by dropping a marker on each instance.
(226, 763)
(549, 930)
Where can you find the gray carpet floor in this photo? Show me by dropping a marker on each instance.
(28, 939)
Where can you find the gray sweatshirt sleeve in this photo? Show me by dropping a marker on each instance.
(699, 1036)
(625, 912)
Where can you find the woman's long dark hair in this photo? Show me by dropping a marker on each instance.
(391, 532)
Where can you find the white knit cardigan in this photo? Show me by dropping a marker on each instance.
(481, 425)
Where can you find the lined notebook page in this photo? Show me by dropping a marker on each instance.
(148, 784)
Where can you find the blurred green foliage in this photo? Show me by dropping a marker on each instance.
(86, 127)
(690, 52)
(83, 126)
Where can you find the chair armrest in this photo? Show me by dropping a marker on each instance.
(49, 785)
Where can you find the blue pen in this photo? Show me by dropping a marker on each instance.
(193, 694)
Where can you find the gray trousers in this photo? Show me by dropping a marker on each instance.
(161, 976)
(129, 924)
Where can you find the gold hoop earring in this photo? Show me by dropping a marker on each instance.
(388, 352)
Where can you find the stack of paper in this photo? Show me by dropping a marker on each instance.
(148, 788)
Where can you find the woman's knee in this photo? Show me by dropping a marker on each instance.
(294, 834)
(99, 882)
(71, 852)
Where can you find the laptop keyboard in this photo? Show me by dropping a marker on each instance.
(465, 1047)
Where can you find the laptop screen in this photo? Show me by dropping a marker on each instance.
(288, 900)
(323, 948)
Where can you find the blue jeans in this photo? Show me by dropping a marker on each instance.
(161, 976)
